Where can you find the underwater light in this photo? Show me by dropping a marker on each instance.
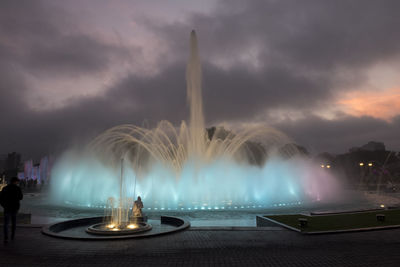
(132, 226)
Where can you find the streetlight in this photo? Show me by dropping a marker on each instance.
(370, 164)
(362, 173)
(322, 166)
(328, 166)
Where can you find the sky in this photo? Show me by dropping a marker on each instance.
(323, 72)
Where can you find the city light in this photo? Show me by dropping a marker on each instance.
(370, 164)
(361, 164)
(322, 166)
(328, 166)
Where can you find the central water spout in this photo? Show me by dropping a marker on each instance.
(193, 84)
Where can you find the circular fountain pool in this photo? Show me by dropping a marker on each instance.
(111, 229)
(93, 228)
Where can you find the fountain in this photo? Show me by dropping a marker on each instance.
(117, 223)
(117, 220)
(189, 167)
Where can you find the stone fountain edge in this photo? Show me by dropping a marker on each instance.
(54, 230)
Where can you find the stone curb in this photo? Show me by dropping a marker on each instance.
(343, 212)
(234, 228)
(28, 225)
(261, 218)
(387, 227)
(46, 230)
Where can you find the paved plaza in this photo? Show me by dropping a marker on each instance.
(208, 246)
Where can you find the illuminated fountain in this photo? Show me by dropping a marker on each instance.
(117, 219)
(189, 168)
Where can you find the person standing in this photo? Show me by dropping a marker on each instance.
(9, 200)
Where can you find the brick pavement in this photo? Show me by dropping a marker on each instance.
(208, 247)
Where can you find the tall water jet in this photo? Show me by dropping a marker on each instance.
(197, 135)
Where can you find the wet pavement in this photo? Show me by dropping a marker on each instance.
(211, 241)
(208, 247)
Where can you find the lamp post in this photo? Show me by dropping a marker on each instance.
(361, 164)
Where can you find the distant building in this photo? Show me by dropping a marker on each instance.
(369, 164)
(11, 164)
(3, 159)
(374, 146)
(370, 146)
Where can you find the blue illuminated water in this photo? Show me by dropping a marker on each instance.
(221, 184)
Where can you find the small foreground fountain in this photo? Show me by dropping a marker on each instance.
(117, 223)
(118, 219)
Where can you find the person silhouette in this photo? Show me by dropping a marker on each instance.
(9, 200)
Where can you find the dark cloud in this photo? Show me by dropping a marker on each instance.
(248, 94)
(26, 20)
(338, 135)
(134, 99)
(40, 39)
(309, 37)
(303, 45)
(299, 46)
(72, 54)
(309, 51)
(44, 40)
(313, 34)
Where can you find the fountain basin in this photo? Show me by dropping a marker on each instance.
(103, 229)
(77, 229)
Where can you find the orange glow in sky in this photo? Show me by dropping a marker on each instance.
(382, 104)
